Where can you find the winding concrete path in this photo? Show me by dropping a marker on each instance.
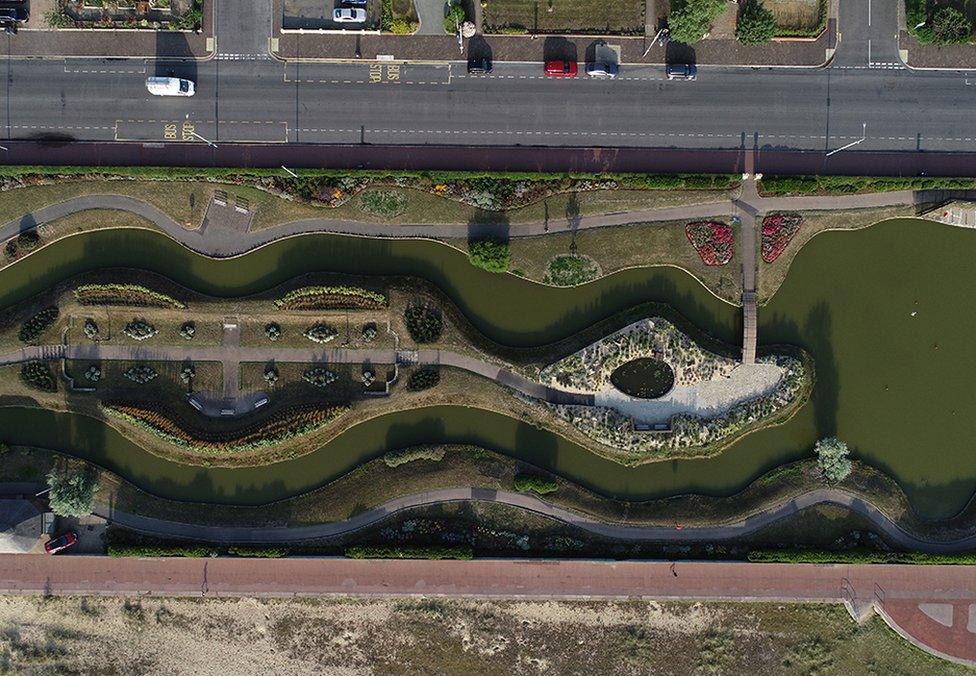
(220, 242)
(743, 527)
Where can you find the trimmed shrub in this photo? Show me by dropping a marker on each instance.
(141, 373)
(152, 551)
(139, 329)
(492, 255)
(93, 373)
(32, 328)
(331, 298)
(404, 455)
(125, 294)
(38, 375)
(28, 240)
(424, 322)
(756, 24)
(91, 328)
(532, 483)
(321, 333)
(188, 330)
(271, 375)
(72, 490)
(259, 552)
(319, 377)
(858, 556)
(273, 331)
(369, 332)
(394, 552)
(188, 373)
(423, 379)
(369, 377)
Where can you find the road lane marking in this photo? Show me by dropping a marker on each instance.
(106, 70)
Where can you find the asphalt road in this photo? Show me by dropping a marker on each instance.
(244, 96)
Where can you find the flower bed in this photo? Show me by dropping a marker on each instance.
(125, 294)
(286, 425)
(712, 240)
(777, 231)
(331, 298)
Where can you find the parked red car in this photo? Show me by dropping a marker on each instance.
(61, 543)
(561, 68)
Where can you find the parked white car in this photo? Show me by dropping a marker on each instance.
(349, 15)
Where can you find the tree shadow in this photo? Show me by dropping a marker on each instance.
(559, 49)
(826, 391)
(498, 228)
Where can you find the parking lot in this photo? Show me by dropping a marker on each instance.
(318, 15)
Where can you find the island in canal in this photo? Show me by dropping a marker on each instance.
(260, 378)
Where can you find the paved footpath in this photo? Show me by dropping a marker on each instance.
(931, 606)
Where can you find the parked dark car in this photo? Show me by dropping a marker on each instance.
(479, 66)
(561, 68)
(13, 13)
(61, 543)
(682, 71)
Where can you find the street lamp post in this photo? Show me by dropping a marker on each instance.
(289, 171)
(864, 134)
(209, 143)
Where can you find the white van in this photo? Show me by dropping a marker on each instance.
(169, 86)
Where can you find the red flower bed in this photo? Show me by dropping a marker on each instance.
(777, 231)
(712, 241)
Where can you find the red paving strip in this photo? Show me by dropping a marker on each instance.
(896, 590)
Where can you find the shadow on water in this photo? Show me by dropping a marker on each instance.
(817, 331)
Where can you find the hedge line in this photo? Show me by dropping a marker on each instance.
(858, 556)
(394, 552)
(812, 185)
(405, 455)
(530, 483)
(193, 551)
(125, 294)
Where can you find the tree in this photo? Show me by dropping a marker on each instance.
(832, 456)
(489, 254)
(455, 16)
(691, 19)
(950, 26)
(72, 490)
(756, 23)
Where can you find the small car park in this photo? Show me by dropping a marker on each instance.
(349, 15)
(558, 68)
(602, 71)
(682, 71)
(61, 543)
(480, 66)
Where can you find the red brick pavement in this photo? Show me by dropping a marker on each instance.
(896, 590)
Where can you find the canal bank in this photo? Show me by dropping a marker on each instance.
(893, 384)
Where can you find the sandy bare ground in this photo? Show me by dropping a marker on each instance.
(387, 636)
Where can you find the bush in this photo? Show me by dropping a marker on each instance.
(10, 249)
(91, 328)
(691, 19)
(125, 294)
(403, 27)
(271, 375)
(858, 556)
(28, 240)
(139, 329)
(38, 375)
(93, 373)
(385, 203)
(492, 255)
(38, 324)
(369, 377)
(119, 550)
(532, 483)
(570, 270)
(72, 490)
(832, 457)
(455, 16)
(188, 330)
(188, 373)
(273, 331)
(394, 552)
(424, 322)
(756, 23)
(321, 333)
(950, 26)
(259, 552)
(369, 332)
(404, 455)
(423, 379)
(319, 377)
(331, 298)
(141, 373)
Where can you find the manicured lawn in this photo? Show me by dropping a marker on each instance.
(566, 16)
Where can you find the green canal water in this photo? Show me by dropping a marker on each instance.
(896, 387)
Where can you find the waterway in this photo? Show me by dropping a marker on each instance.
(897, 387)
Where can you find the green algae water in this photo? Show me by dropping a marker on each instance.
(893, 384)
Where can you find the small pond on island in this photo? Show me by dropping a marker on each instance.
(886, 313)
(643, 378)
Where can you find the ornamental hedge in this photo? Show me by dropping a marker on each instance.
(125, 294)
(395, 552)
(331, 298)
(38, 375)
(532, 483)
(858, 556)
(32, 328)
